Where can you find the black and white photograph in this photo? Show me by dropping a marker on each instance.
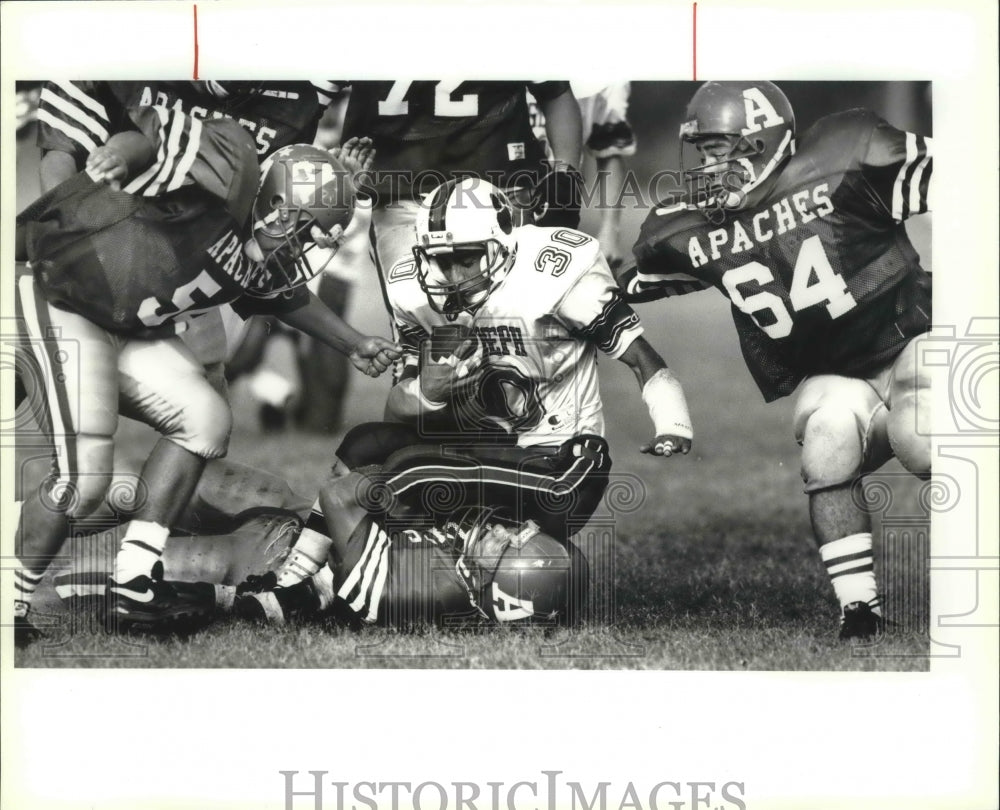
(346, 419)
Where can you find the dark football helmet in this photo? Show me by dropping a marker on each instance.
(740, 134)
(465, 244)
(515, 572)
(302, 188)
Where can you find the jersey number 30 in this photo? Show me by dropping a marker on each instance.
(814, 281)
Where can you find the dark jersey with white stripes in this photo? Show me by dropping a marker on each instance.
(75, 117)
(426, 132)
(168, 245)
(820, 272)
(402, 578)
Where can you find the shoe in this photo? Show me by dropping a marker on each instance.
(861, 622)
(150, 604)
(25, 632)
(257, 583)
(280, 605)
(83, 593)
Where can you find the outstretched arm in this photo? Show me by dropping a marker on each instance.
(369, 354)
(663, 395)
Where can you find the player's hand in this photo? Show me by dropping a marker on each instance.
(446, 358)
(107, 165)
(357, 155)
(330, 241)
(373, 355)
(667, 446)
(557, 198)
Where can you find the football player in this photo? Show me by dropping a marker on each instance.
(77, 117)
(471, 568)
(805, 235)
(497, 402)
(167, 220)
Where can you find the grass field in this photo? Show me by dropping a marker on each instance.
(714, 569)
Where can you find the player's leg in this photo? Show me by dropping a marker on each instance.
(164, 385)
(74, 364)
(840, 423)
(342, 504)
(909, 403)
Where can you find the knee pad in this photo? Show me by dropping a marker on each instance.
(911, 448)
(202, 425)
(86, 485)
(832, 447)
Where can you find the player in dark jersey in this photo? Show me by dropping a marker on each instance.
(805, 236)
(465, 570)
(168, 220)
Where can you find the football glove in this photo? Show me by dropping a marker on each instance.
(556, 199)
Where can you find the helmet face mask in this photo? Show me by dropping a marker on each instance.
(735, 136)
(464, 245)
(303, 189)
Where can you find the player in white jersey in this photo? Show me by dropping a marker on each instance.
(497, 399)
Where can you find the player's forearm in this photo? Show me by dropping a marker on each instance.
(54, 168)
(564, 128)
(318, 321)
(661, 391)
(407, 404)
(136, 149)
(643, 359)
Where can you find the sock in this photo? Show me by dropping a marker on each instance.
(309, 553)
(140, 550)
(851, 566)
(225, 597)
(25, 582)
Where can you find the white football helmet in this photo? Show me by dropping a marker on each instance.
(465, 244)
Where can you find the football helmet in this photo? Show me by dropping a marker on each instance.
(515, 572)
(302, 188)
(465, 244)
(742, 132)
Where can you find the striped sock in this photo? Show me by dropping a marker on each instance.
(140, 550)
(25, 582)
(310, 550)
(850, 563)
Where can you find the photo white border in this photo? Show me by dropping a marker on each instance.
(208, 739)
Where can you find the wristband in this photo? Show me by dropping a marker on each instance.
(664, 397)
(412, 388)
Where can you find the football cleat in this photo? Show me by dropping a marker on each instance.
(861, 622)
(280, 605)
(25, 632)
(149, 604)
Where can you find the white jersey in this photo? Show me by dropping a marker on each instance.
(539, 332)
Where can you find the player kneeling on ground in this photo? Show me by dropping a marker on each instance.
(806, 236)
(498, 402)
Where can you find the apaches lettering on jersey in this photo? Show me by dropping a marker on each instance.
(263, 136)
(230, 258)
(777, 218)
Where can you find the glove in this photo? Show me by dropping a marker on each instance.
(556, 199)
